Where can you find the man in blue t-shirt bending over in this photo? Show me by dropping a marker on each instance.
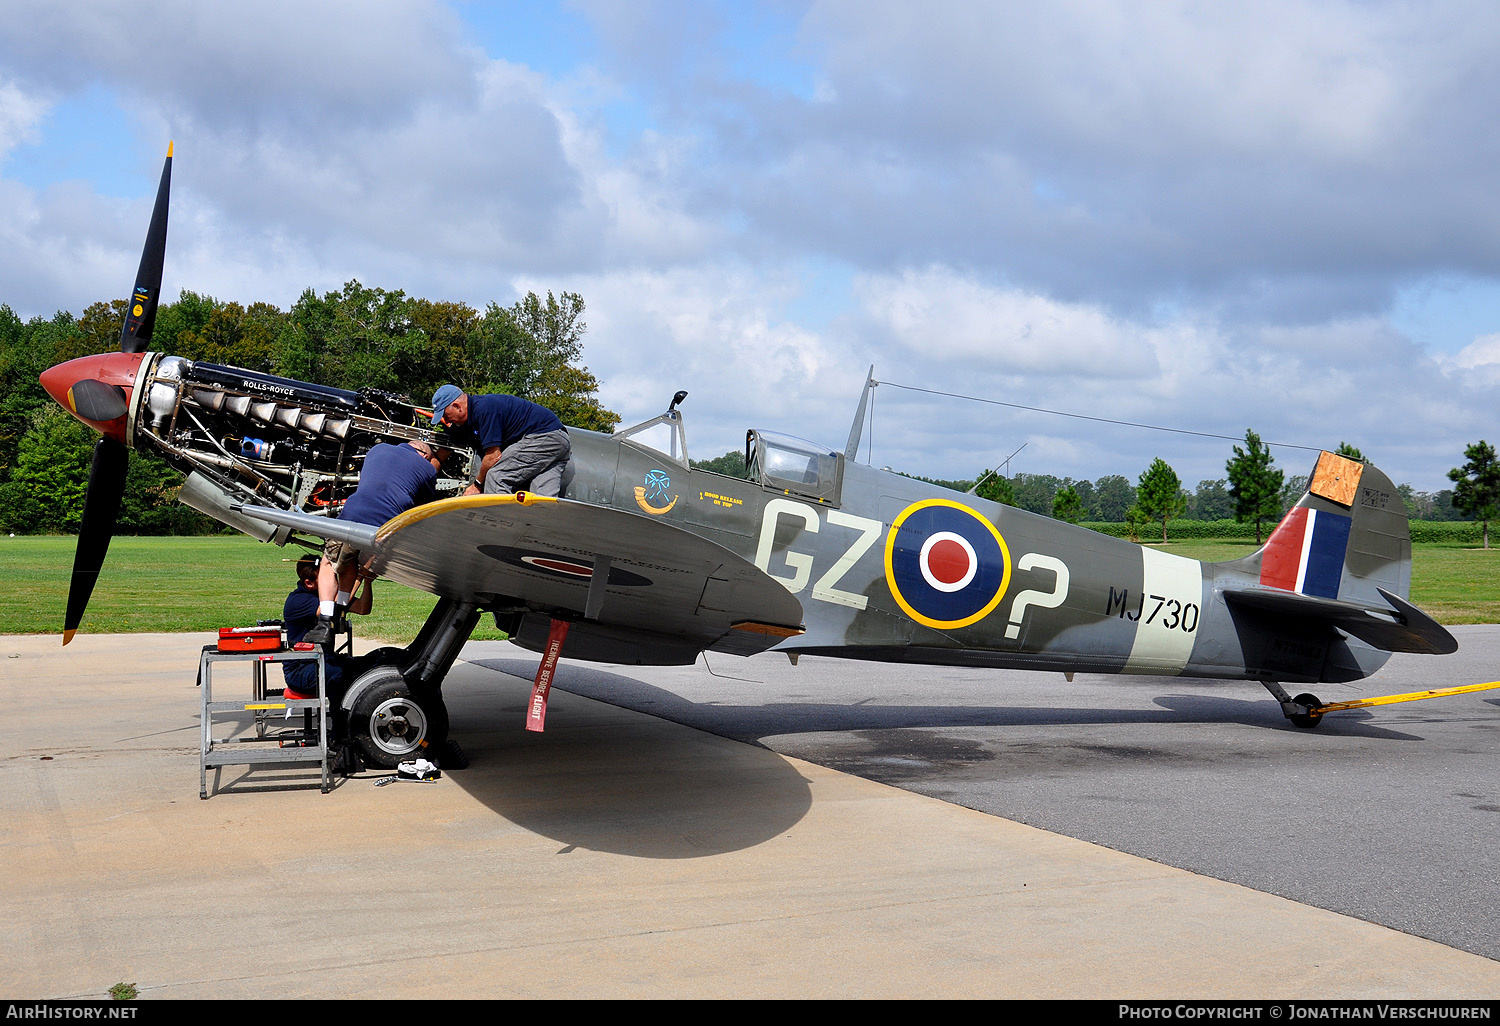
(525, 447)
(394, 478)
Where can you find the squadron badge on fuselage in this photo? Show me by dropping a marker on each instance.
(654, 491)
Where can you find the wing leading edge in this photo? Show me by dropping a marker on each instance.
(638, 590)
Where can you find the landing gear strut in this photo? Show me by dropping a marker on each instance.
(1304, 711)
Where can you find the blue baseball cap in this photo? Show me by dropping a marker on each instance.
(442, 399)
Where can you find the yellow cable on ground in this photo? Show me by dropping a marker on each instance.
(1412, 696)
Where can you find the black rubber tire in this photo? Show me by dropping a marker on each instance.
(1309, 720)
(453, 756)
(390, 725)
(388, 656)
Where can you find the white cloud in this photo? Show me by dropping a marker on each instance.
(63, 235)
(275, 62)
(1189, 214)
(1479, 361)
(20, 113)
(1139, 78)
(1342, 380)
(1282, 157)
(937, 315)
(714, 330)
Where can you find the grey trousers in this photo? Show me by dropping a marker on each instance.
(541, 463)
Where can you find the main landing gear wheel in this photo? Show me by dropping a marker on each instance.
(1309, 719)
(388, 656)
(391, 725)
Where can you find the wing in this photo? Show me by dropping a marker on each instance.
(632, 585)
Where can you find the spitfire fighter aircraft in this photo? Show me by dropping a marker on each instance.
(647, 560)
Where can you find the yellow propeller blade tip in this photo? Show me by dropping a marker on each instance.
(169, 147)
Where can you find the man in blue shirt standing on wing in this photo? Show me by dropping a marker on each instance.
(525, 447)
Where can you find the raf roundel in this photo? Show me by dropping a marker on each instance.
(946, 565)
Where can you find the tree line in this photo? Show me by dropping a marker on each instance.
(352, 338)
(1253, 490)
(362, 337)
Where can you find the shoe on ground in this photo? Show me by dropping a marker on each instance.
(347, 762)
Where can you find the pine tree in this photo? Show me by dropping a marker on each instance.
(1067, 505)
(1159, 494)
(996, 488)
(1476, 485)
(1254, 484)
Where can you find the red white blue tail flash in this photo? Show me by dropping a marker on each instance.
(1306, 552)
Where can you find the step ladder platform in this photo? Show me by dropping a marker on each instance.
(268, 711)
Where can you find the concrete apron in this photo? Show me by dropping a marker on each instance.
(615, 855)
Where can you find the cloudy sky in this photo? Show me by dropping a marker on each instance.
(1280, 215)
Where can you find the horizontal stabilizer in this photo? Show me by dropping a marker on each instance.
(1401, 628)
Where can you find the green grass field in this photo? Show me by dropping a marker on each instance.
(199, 584)
(180, 584)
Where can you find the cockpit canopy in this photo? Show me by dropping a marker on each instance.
(777, 462)
(794, 465)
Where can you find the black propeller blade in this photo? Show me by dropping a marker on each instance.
(102, 402)
(140, 318)
(101, 507)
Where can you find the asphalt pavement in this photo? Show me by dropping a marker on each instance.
(625, 853)
(1390, 814)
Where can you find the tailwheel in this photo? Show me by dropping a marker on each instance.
(1312, 717)
(1305, 711)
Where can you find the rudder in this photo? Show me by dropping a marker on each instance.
(1342, 558)
(1346, 538)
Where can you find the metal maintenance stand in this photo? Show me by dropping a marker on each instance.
(306, 743)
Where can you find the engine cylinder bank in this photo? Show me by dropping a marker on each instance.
(263, 399)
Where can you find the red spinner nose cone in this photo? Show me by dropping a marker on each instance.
(96, 389)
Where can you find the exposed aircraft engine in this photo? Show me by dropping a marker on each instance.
(261, 437)
(240, 435)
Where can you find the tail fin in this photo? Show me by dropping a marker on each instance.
(1342, 556)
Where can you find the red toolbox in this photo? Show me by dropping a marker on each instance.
(250, 639)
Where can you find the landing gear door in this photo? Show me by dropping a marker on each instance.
(795, 466)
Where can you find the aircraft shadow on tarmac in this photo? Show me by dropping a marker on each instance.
(752, 723)
(636, 791)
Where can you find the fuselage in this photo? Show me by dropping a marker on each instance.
(891, 568)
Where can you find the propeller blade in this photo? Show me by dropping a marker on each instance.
(140, 318)
(101, 508)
